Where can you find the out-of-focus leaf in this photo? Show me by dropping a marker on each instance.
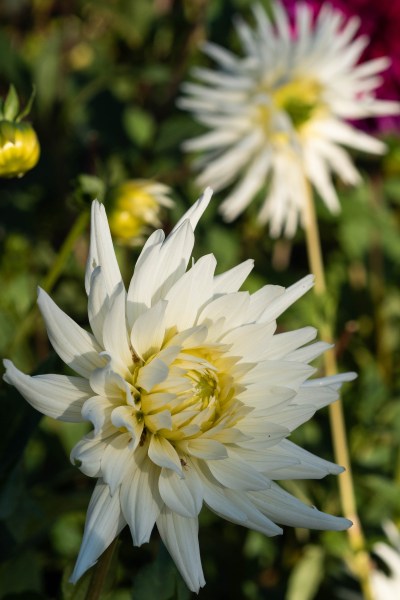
(66, 534)
(160, 580)
(79, 590)
(306, 575)
(20, 575)
(139, 125)
(90, 187)
(391, 188)
(11, 104)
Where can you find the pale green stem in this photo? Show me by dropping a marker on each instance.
(100, 572)
(361, 562)
(51, 278)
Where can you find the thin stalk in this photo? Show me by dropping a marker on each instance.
(100, 572)
(28, 323)
(361, 563)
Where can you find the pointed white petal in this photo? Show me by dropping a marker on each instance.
(208, 449)
(152, 374)
(232, 307)
(231, 280)
(104, 521)
(334, 381)
(140, 500)
(255, 518)
(180, 536)
(289, 296)
(75, 346)
(183, 495)
(163, 454)
(148, 331)
(189, 294)
(116, 459)
(215, 496)
(287, 510)
(98, 304)
(57, 396)
(115, 335)
(237, 475)
(101, 251)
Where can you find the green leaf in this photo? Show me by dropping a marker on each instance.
(139, 126)
(307, 575)
(91, 187)
(28, 107)
(11, 105)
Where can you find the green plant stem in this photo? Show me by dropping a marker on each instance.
(28, 323)
(100, 572)
(360, 562)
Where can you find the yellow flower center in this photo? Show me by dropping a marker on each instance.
(204, 387)
(197, 394)
(300, 100)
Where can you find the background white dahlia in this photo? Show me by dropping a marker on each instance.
(191, 392)
(279, 115)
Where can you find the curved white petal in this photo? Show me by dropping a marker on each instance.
(285, 509)
(87, 455)
(57, 396)
(75, 346)
(104, 521)
(180, 536)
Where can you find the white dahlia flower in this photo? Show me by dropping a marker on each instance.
(386, 585)
(191, 392)
(279, 116)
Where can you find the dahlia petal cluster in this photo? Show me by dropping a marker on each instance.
(191, 392)
(279, 116)
(386, 583)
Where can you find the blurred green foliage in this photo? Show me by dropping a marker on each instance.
(107, 74)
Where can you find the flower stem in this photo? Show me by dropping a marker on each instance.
(51, 278)
(100, 572)
(361, 562)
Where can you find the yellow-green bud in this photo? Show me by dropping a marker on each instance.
(136, 206)
(19, 148)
